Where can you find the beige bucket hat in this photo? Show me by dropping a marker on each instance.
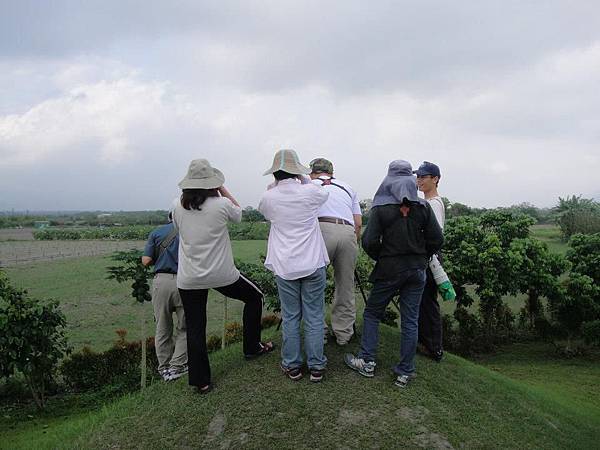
(201, 175)
(288, 161)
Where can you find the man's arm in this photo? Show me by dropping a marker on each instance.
(149, 250)
(371, 238)
(433, 233)
(357, 225)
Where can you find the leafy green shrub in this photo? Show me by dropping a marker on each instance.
(213, 343)
(494, 253)
(269, 321)
(234, 332)
(32, 338)
(584, 255)
(264, 279)
(575, 307)
(390, 317)
(115, 370)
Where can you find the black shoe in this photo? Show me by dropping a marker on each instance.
(438, 356)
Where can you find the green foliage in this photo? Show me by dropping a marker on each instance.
(390, 317)
(250, 214)
(32, 338)
(576, 305)
(264, 279)
(494, 253)
(114, 371)
(132, 269)
(577, 302)
(577, 215)
(584, 255)
(250, 230)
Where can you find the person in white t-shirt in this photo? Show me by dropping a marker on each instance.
(206, 262)
(430, 320)
(296, 253)
(340, 219)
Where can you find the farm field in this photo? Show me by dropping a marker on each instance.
(13, 253)
(95, 307)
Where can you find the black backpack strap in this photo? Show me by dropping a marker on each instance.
(166, 242)
(327, 182)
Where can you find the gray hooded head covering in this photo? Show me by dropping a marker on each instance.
(399, 184)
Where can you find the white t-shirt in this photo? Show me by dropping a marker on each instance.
(205, 257)
(295, 248)
(340, 204)
(437, 204)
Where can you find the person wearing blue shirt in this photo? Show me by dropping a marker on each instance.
(171, 350)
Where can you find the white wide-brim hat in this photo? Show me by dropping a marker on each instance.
(201, 175)
(288, 161)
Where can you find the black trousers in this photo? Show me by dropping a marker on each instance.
(194, 306)
(430, 319)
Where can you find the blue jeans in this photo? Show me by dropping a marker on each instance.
(409, 285)
(302, 299)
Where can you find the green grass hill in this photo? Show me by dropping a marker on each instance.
(455, 404)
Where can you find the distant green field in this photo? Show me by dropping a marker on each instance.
(95, 307)
(551, 235)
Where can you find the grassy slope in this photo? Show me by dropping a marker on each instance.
(95, 307)
(572, 383)
(454, 403)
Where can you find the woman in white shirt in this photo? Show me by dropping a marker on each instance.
(296, 253)
(206, 262)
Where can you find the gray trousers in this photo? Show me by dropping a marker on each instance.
(171, 351)
(342, 249)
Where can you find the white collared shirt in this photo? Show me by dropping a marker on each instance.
(295, 248)
(340, 204)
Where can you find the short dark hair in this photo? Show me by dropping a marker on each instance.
(283, 175)
(194, 198)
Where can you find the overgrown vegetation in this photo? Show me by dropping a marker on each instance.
(576, 214)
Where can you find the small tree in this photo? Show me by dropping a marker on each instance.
(32, 338)
(576, 306)
(132, 269)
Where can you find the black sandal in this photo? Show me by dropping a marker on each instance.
(265, 347)
(205, 389)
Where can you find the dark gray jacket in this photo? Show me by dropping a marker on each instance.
(398, 242)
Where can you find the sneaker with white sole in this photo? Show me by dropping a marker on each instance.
(402, 380)
(177, 372)
(164, 374)
(316, 375)
(366, 369)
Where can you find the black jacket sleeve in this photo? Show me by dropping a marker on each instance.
(433, 233)
(371, 238)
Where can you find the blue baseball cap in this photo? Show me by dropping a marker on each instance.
(428, 168)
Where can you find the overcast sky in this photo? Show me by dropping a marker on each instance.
(104, 103)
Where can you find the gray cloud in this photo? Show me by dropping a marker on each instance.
(502, 95)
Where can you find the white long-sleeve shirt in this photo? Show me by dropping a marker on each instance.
(205, 257)
(295, 248)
